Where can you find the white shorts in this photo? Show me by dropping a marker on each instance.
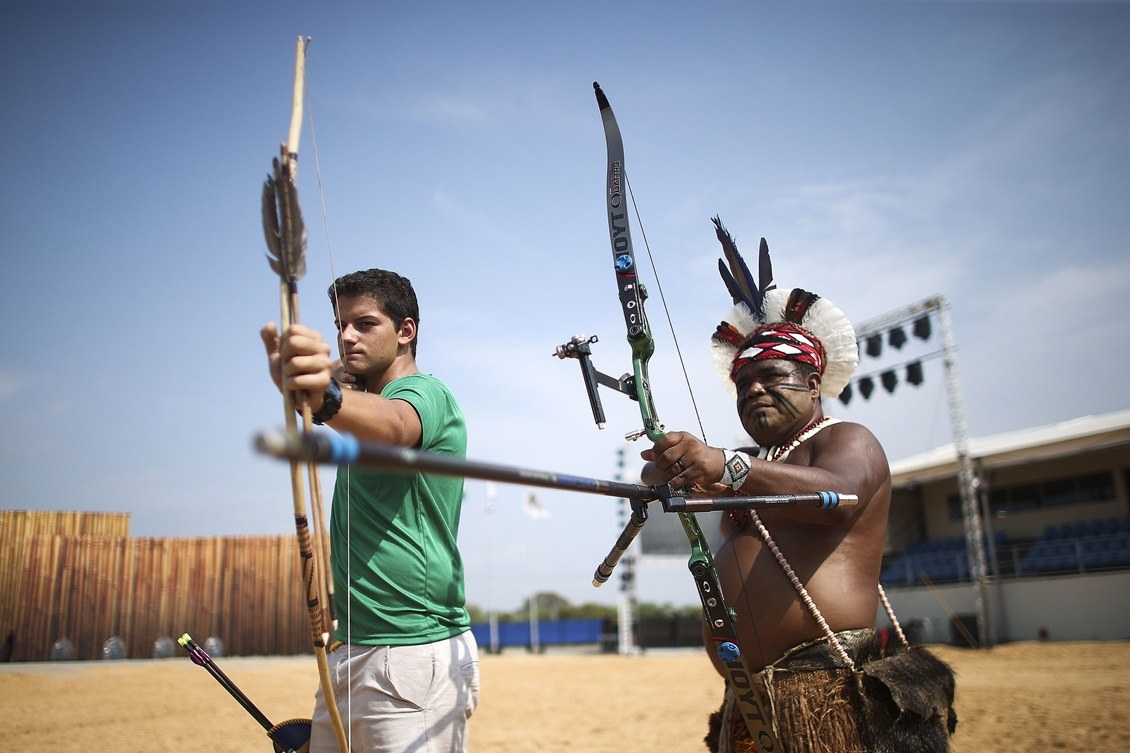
(401, 699)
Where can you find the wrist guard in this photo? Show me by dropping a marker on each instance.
(736, 468)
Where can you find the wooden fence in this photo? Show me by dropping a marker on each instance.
(19, 527)
(65, 594)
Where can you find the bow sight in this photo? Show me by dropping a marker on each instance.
(578, 348)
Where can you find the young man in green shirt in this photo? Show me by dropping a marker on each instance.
(404, 661)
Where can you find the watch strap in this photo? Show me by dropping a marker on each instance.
(331, 403)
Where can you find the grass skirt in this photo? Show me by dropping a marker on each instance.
(893, 702)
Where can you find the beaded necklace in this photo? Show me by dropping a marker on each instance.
(780, 453)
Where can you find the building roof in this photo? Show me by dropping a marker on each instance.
(1088, 433)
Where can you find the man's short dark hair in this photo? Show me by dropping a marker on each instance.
(392, 293)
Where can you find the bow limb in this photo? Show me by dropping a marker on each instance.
(752, 703)
(632, 292)
(286, 242)
(288, 297)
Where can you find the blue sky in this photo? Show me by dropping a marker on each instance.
(888, 151)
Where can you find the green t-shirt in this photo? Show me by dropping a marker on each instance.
(403, 569)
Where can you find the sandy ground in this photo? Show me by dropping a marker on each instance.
(1018, 697)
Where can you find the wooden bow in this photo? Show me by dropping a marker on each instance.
(286, 242)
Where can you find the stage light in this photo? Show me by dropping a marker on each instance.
(890, 380)
(914, 373)
(921, 328)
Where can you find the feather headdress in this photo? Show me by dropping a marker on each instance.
(758, 303)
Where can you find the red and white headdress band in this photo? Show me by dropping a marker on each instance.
(769, 323)
(780, 341)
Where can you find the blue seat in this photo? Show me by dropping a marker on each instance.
(1093, 549)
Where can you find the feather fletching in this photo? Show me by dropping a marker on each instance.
(271, 226)
(283, 228)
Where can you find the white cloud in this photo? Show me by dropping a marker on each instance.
(452, 108)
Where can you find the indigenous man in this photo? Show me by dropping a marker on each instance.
(404, 662)
(804, 582)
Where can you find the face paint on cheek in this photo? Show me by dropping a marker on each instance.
(781, 401)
